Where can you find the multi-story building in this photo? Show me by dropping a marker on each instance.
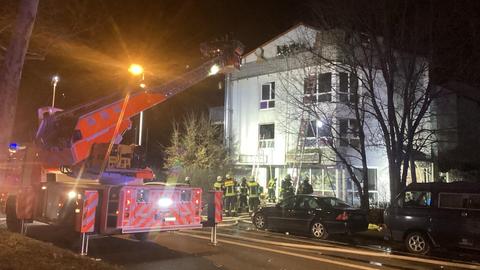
(264, 123)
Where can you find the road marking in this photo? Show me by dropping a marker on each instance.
(356, 252)
(355, 266)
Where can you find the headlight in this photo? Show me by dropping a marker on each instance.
(72, 195)
(164, 202)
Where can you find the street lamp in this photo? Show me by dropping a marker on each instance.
(55, 80)
(137, 70)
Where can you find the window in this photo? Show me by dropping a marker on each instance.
(474, 202)
(348, 87)
(266, 135)
(417, 199)
(334, 202)
(452, 200)
(318, 88)
(306, 202)
(268, 96)
(316, 129)
(288, 203)
(348, 132)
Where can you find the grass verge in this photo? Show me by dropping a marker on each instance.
(20, 252)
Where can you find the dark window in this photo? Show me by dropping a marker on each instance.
(325, 82)
(186, 196)
(417, 199)
(474, 202)
(266, 135)
(306, 202)
(311, 129)
(348, 87)
(343, 127)
(452, 200)
(343, 89)
(142, 196)
(334, 202)
(288, 203)
(318, 88)
(353, 86)
(268, 96)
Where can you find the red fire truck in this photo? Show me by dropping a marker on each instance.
(76, 174)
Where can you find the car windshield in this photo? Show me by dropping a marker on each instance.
(334, 202)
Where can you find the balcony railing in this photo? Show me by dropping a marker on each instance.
(251, 159)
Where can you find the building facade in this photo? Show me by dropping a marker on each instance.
(266, 126)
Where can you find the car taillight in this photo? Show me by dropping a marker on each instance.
(342, 217)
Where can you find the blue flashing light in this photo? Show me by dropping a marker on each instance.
(13, 146)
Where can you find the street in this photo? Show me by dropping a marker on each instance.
(240, 246)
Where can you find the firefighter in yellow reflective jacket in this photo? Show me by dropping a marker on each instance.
(253, 195)
(230, 186)
(218, 185)
(272, 185)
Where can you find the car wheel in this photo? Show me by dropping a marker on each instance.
(260, 222)
(13, 223)
(319, 230)
(417, 243)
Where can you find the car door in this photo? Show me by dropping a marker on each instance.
(300, 217)
(277, 217)
(472, 228)
(411, 212)
(448, 220)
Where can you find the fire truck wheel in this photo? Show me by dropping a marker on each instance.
(13, 223)
(142, 237)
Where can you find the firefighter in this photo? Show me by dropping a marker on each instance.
(230, 187)
(305, 187)
(287, 187)
(218, 185)
(272, 185)
(243, 204)
(187, 181)
(253, 194)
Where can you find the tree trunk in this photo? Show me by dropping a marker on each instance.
(11, 70)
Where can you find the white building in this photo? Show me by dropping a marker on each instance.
(262, 123)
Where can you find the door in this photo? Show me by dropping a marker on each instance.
(300, 217)
(472, 228)
(277, 217)
(449, 219)
(411, 212)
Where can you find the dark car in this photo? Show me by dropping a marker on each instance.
(427, 215)
(319, 216)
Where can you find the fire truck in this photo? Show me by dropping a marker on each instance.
(77, 175)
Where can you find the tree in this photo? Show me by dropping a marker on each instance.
(335, 116)
(389, 44)
(196, 150)
(11, 70)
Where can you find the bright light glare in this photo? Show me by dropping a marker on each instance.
(143, 85)
(214, 70)
(55, 79)
(135, 69)
(72, 194)
(164, 202)
(319, 124)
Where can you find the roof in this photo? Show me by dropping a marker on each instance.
(277, 36)
(458, 186)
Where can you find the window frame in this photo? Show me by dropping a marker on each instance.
(314, 89)
(266, 143)
(348, 84)
(270, 102)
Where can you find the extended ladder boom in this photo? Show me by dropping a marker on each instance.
(70, 137)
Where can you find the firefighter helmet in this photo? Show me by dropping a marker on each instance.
(219, 178)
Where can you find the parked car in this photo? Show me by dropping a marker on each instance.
(319, 216)
(428, 215)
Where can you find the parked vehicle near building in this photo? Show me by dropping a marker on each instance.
(319, 216)
(429, 215)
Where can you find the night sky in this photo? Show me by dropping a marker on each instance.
(164, 36)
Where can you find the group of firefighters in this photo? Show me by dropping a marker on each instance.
(246, 195)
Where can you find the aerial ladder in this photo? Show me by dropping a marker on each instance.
(77, 174)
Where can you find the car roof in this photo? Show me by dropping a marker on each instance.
(458, 186)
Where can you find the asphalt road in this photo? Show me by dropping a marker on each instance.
(240, 246)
